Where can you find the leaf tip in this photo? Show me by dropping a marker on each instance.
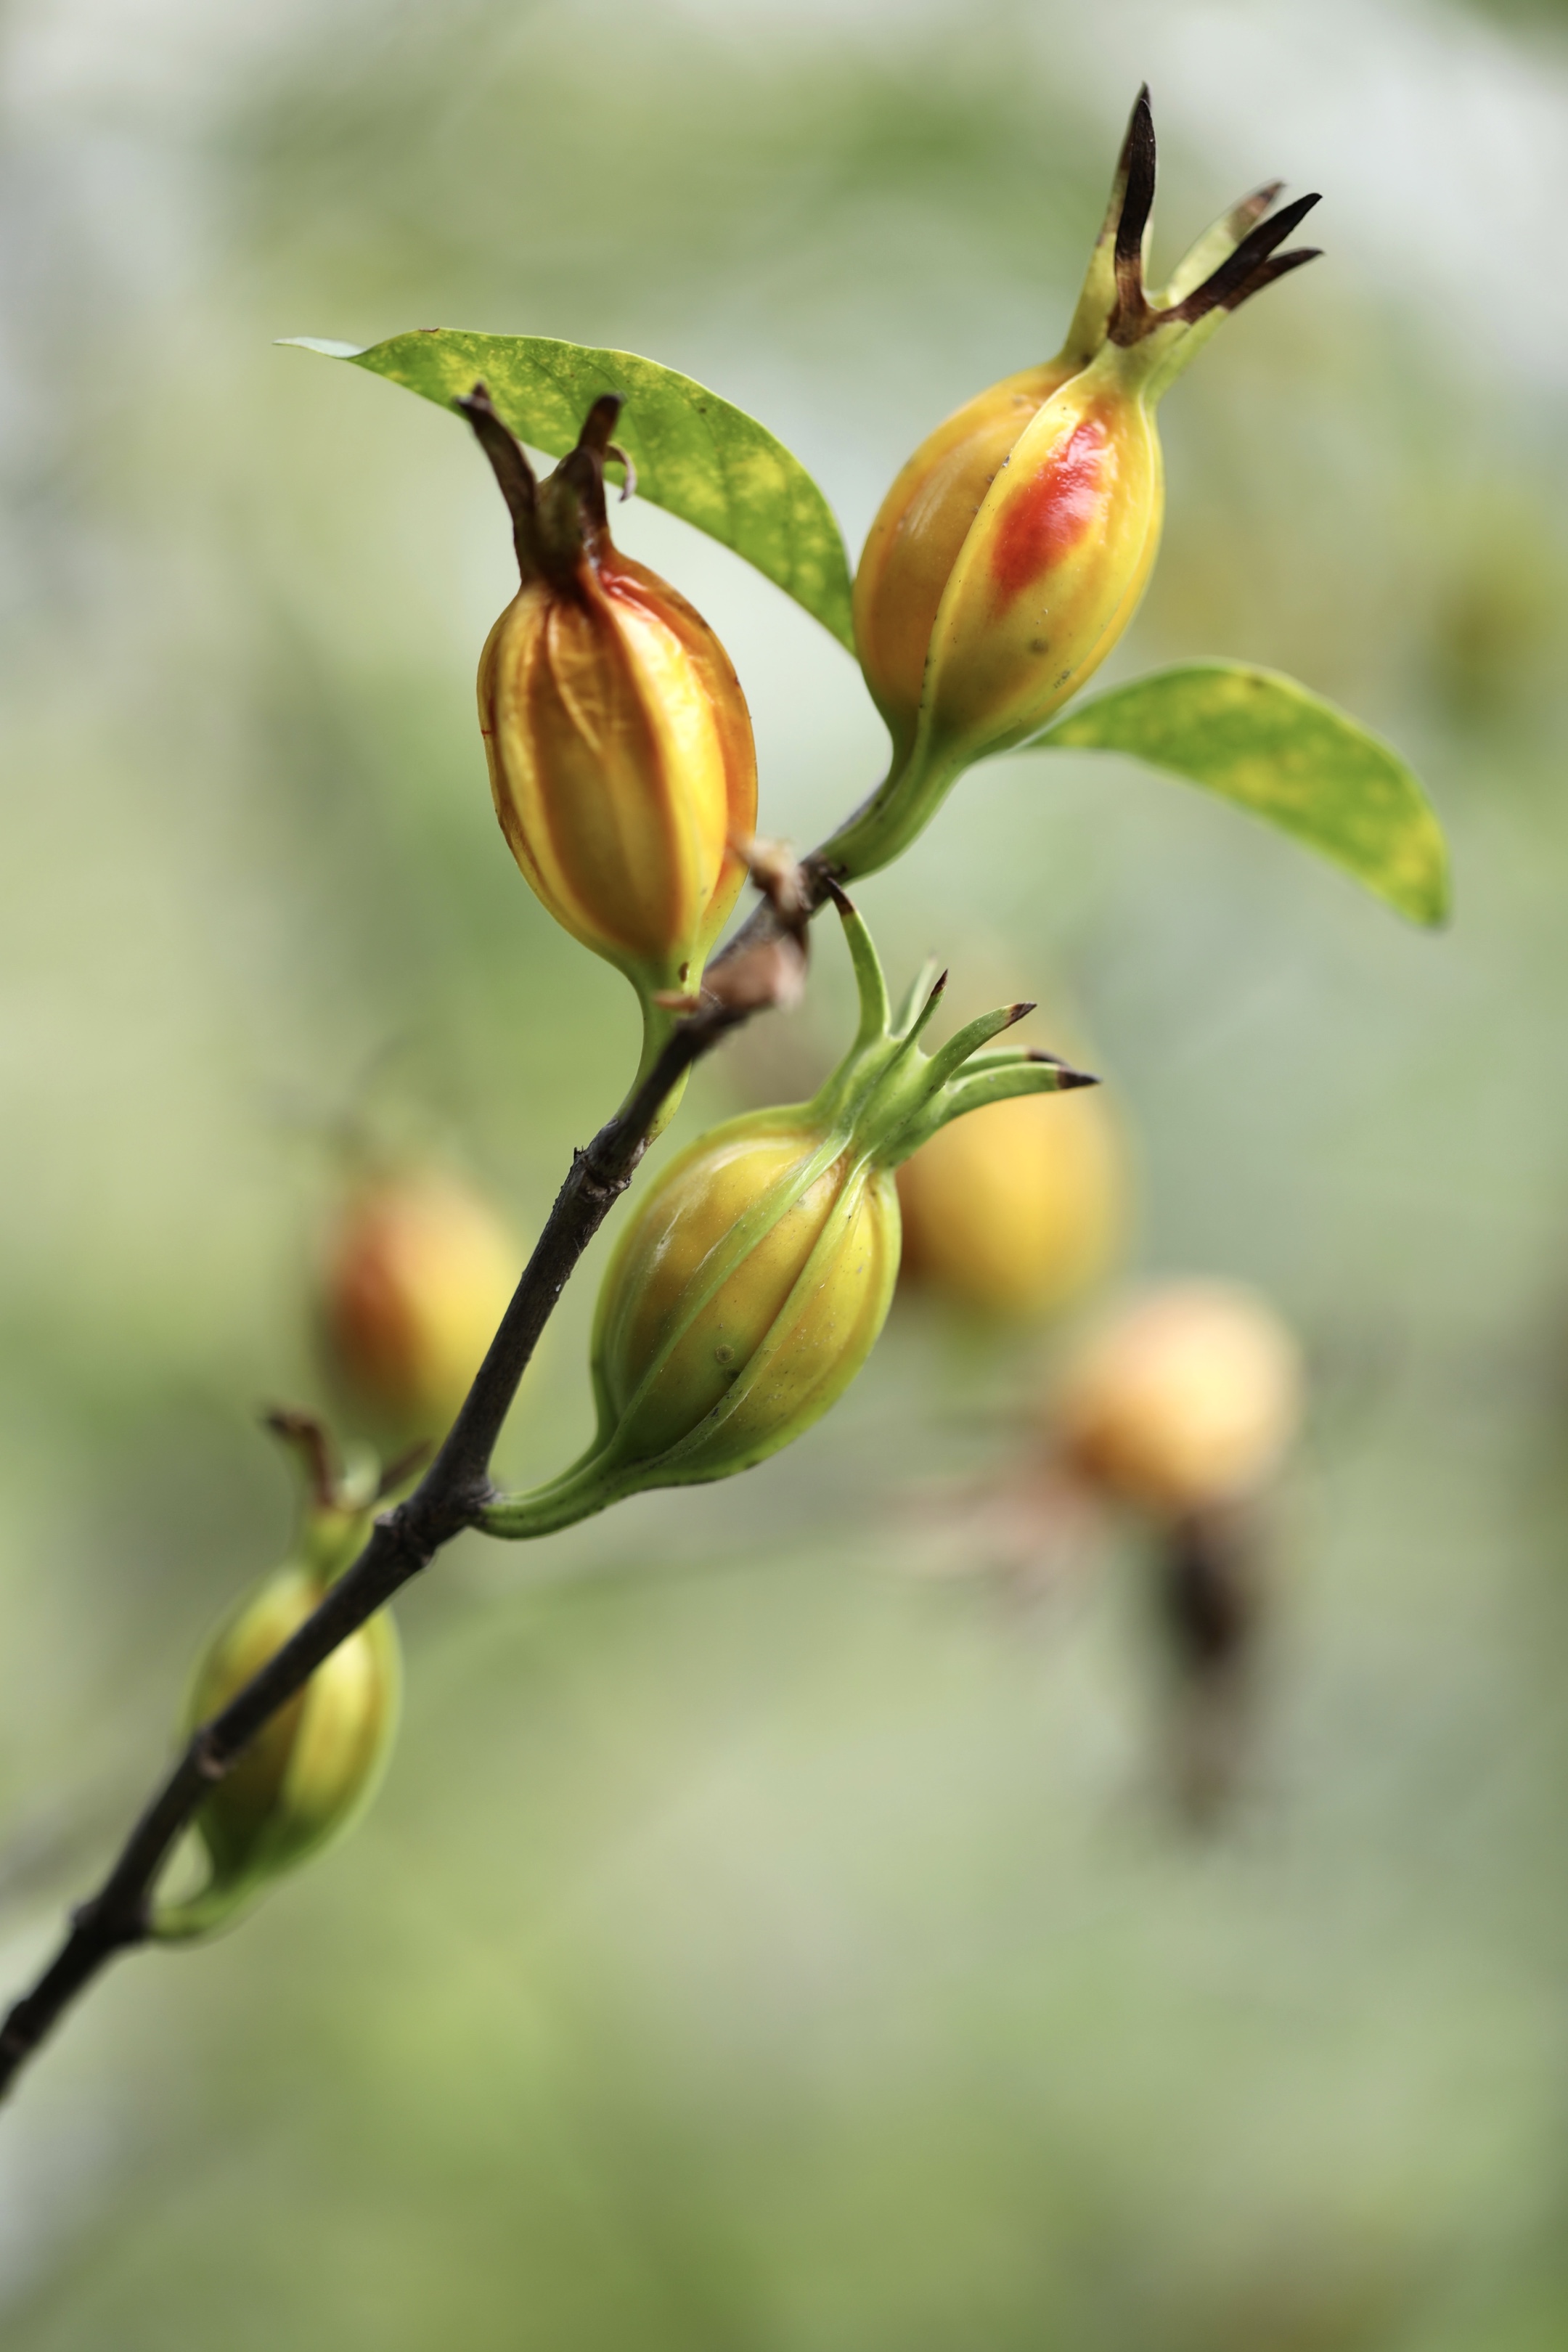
(1426, 895)
(1432, 907)
(322, 343)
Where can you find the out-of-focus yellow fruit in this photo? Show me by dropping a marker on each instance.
(416, 1279)
(1019, 1208)
(1188, 1399)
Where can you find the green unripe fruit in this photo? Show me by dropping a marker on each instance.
(752, 1282)
(311, 1769)
(716, 1360)
(304, 1777)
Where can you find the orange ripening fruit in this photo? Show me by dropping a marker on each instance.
(416, 1277)
(920, 529)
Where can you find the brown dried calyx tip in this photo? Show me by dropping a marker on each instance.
(512, 471)
(312, 1441)
(1251, 208)
(548, 521)
(1253, 263)
(1070, 1079)
(594, 442)
(573, 520)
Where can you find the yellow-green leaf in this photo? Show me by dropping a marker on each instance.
(1266, 743)
(704, 460)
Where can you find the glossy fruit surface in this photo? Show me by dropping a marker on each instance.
(744, 1296)
(1052, 568)
(312, 1768)
(920, 530)
(621, 764)
(619, 744)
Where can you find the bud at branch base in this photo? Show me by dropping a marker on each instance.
(752, 1281)
(315, 1766)
(1014, 547)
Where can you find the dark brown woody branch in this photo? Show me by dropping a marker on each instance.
(448, 1499)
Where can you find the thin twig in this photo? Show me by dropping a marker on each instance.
(448, 1499)
(815, 881)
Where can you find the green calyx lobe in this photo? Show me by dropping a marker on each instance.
(887, 1097)
(755, 1278)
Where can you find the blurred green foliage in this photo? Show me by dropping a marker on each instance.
(755, 1944)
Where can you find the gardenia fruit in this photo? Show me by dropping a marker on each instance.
(751, 1284)
(312, 1768)
(619, 743)
(1012, 550)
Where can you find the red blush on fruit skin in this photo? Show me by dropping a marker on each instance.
(1047, 518)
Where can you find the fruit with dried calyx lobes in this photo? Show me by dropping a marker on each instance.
(1184, 1402)
(313, 1767)
(1018, 1210)
(414, 1277)
(619, 743)
(750, 1286)
(1013, 549)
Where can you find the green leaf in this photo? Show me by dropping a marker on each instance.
(1264, 742)
(708, 462)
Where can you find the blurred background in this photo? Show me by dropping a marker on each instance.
(757, 1942)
